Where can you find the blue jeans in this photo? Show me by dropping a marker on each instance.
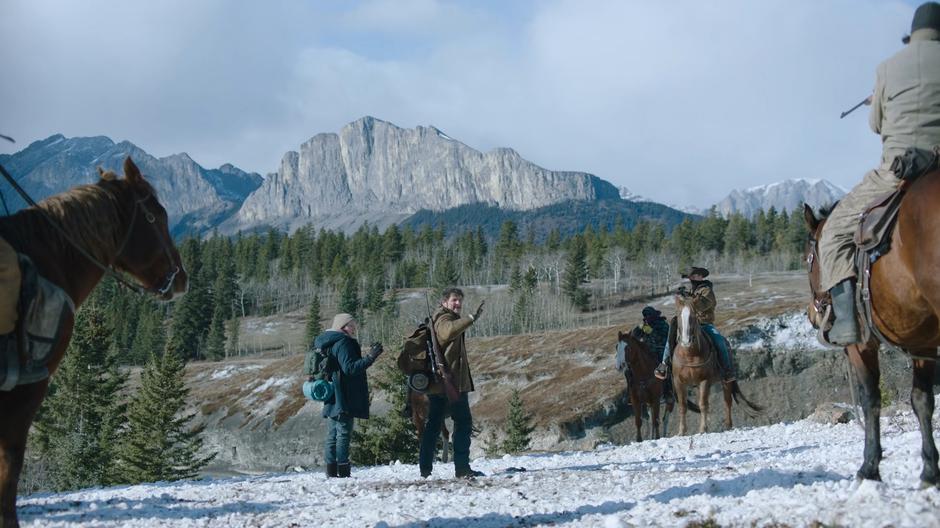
(724, 355)
(337, 439)
(463, 423)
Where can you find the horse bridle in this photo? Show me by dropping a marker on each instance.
(822, 304)
(169, 278)
(109, 269)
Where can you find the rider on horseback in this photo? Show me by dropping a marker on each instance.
(905, 111)
(703, 303)
(654, 331)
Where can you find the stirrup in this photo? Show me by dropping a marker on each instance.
(661, 371)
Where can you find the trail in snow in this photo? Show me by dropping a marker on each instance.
(794, 474)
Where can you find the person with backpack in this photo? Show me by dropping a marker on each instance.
(346, 368)
(450, 329)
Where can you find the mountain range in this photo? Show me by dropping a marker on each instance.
(370, 171)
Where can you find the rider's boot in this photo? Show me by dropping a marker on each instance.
(662, 370)
(844, 329)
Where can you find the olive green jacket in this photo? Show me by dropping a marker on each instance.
(905, 107)
(450, 329)
(704, 302)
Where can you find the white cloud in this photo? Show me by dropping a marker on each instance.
(679, 101)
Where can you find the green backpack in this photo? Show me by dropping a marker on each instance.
(319, 363)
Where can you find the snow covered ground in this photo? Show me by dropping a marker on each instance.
(796, 474)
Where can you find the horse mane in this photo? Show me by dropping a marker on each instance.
(89, 214)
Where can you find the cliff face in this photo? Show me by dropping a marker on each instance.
(195, 198)
(786, 195)
(374, 169)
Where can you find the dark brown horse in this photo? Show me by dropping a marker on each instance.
(116, 221)
(644, 388)
(905, 298)
(695, 362)
(420, 406)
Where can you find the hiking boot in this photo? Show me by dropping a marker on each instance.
(331, 470)
(844, 330)
(661, 371)
(425, 472)
(468, 473)
(727, 376)
(343, 470)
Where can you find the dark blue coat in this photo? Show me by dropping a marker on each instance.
(351, 396)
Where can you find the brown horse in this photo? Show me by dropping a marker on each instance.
(905, 299)
(116, 221)
(695, 362)
(644, 388)
(419, 416)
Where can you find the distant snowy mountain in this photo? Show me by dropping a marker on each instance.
(630, 196)
(783, 196)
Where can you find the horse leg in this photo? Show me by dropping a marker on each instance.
(445, 440)
(19, 406)
(727, 388)
(923, 404)
(637, 414)
(680, 399)
(864, 360)
(703, 389)
(654, 408)
(668, 410)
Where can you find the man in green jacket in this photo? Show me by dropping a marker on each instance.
(450, 329)
(905, 111)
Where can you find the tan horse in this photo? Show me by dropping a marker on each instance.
(695, 362)
(419, 417)
(905, 298)
(119, 222)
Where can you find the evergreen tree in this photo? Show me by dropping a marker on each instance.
(446, 274)
(349, 297)
(576, 273)
(151, 334)
(385, 439)
(79, 425)
(233, 328)
(215, 340)
(160, 443)
(518, 426)
(313, 327)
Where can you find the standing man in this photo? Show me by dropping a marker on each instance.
(450, 329)
(350, 389)
(905, 111)
(703, 303)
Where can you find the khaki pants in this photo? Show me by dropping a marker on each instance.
(9, 287)
(837, 242)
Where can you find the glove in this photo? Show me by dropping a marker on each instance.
(376, 350)
(647, 329)
(479, 312)
(682, 291)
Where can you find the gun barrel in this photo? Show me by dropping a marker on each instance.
(850, 110)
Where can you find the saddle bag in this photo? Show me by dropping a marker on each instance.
(914, 163)
(43, 309)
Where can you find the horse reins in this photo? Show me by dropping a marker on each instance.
(109, 269)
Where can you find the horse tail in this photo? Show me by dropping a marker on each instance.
(739, 397)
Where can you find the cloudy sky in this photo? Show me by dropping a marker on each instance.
(680, 101)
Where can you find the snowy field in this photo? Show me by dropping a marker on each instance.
(797, 474)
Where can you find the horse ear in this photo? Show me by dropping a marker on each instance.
(810, 216)
(100, 172)
(131, 172)
(619, 334)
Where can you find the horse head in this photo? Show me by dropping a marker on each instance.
(146, 250)
(632, 352)
(688, 331)
(820, 307)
